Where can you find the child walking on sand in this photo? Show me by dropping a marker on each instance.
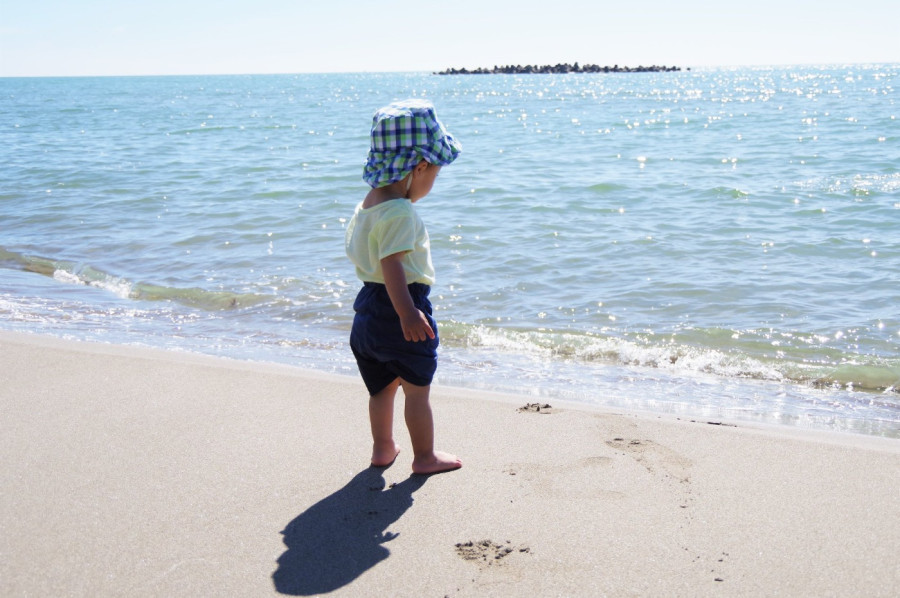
(394, 336)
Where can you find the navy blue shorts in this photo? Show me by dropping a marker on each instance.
(381, 352)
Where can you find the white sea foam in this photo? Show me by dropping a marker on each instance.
(66, 277)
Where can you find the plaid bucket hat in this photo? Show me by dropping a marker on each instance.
(403, 134)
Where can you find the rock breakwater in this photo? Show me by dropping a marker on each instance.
(558, 68)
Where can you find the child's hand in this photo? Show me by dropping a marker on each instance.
(414, 323)
(416, 327)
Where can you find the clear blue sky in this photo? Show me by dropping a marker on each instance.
(119, 37)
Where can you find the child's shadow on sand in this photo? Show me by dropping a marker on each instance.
(339, 538)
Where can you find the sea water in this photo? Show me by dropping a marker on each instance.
(715, 244)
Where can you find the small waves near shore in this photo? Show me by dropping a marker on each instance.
(716, 243)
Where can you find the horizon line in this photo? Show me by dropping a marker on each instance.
(684, 69)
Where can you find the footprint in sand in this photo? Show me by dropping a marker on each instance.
(488, 553)
(542, 408)
(655, 457)
(660, 461)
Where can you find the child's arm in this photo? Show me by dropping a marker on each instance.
(414, 323)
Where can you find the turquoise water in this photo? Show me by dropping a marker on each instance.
(713, 243)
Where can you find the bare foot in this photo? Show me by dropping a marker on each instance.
(436, 463)
(384, 456)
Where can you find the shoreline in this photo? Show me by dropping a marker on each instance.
(517, 400)
(151, 472)
(672, 394)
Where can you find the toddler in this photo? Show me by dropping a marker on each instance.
(394, 336)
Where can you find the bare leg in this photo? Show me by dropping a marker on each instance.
(420, 422)
(381, 417)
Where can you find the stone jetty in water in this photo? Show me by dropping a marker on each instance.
(559, 68)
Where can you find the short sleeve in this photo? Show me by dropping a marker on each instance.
(396, 233)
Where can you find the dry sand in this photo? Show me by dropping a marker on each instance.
(131, 472)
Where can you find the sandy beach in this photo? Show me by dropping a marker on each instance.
(135, 472)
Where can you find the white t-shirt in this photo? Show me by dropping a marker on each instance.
(385, 229)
